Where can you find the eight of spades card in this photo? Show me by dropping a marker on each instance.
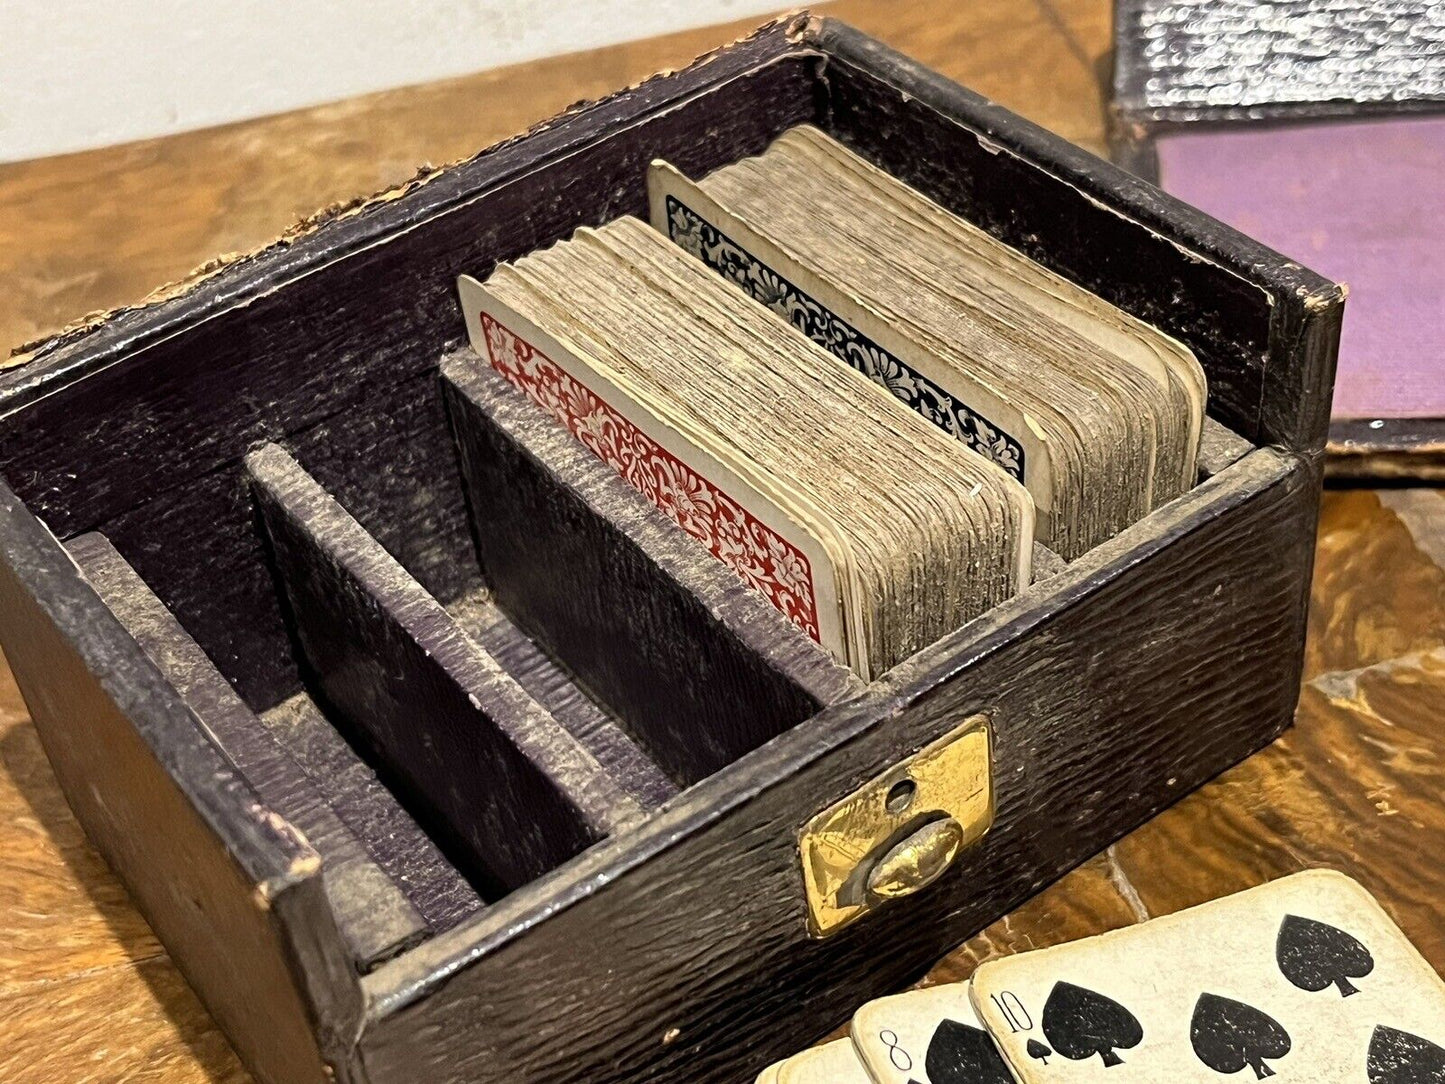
(1304, 979)
(930, 1036)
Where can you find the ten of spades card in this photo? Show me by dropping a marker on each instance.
(1305, 978)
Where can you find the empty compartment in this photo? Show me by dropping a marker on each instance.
(696, 664)
(440, 894)
(506, 791)
(373, 913)
(598, 731)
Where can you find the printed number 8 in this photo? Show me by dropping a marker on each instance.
(896, 1054)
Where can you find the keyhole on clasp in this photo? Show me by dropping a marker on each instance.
(900, 796)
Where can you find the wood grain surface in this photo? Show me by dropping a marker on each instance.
(87, 994)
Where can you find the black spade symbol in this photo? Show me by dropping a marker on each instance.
(1397, 1057)
(1039, 1051)
(1228, 1035)
(1081, 1023)
(960, 1054)
(1314, 954)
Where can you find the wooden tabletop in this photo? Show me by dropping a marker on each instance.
(87, 993)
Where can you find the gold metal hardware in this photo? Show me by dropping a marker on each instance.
(900, 831)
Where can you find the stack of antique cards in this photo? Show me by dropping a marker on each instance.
(878, 462)
(1305, 979)
(1097, 413)
(872, 530)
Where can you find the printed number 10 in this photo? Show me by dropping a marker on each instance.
(1013, 1011)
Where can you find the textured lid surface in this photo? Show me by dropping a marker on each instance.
(1225, 59)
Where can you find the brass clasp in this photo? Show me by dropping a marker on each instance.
(900, 831)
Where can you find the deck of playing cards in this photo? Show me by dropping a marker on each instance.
(1097, 413)
(867, 527)
(882, 501)
(1305, 978)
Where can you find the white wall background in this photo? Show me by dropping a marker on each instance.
(76, 74)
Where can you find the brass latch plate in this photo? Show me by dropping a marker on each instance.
(900, 831)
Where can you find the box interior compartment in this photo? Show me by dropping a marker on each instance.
(596, 663)
(431, 631)
(440, 756)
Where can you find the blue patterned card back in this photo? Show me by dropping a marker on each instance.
(702, 239)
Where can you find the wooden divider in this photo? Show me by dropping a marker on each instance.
(698, 666)
(552, 687)
(505, 791)
(390, 834)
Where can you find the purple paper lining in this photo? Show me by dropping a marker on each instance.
(1362, 202)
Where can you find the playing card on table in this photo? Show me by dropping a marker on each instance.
(1305, 978)
(832, 1063)
(930, 1036)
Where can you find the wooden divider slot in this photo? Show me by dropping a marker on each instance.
(374, 915)
(506, 791)
(365, 805)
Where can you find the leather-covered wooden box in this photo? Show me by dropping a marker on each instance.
(268, 551)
